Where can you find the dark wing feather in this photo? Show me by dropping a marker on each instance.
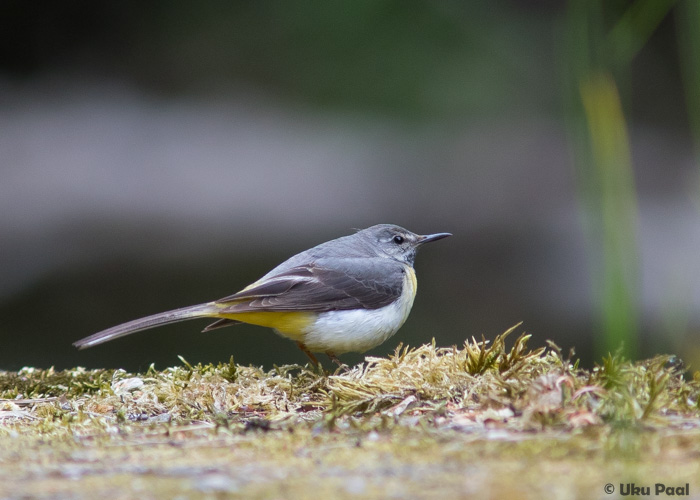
(325, 285)
(276, 285)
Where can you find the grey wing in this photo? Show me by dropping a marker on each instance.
(324, 285)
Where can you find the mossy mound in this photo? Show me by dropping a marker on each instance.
(482, 407)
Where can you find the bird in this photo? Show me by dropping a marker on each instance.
(349, 294)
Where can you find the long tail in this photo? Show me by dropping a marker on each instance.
(164, 318)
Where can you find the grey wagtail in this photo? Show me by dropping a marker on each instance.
(346, 295)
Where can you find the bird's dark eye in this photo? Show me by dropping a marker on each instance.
(398, 239)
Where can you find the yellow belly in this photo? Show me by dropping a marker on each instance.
(292, 324)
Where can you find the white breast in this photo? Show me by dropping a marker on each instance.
(359, 330)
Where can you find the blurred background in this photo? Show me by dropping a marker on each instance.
(160, 154)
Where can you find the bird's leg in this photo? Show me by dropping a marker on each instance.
(342, 367)
(309, 354)
(334, 358)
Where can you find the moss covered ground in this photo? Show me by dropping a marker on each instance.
(483, 420)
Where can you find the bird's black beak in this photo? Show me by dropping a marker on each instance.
(432, 237)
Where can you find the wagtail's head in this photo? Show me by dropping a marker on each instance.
(395, 242)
